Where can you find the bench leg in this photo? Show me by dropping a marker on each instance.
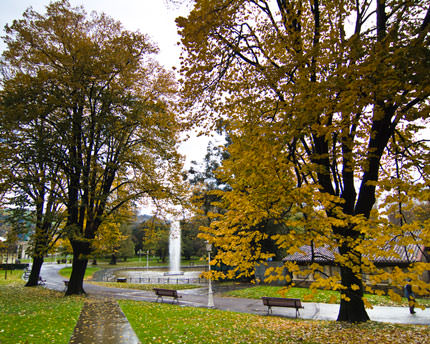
(269, 310)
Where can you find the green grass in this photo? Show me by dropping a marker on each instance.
(66, 272)
(35, 315)
(11, 278)
(167, 323)
(321, 296)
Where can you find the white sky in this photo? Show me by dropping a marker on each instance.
(155, 18)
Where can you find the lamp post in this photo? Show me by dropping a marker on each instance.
(210, 292)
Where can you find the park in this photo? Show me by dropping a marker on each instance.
(306, 220)
(44, 315)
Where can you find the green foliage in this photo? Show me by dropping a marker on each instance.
(191, 245)
(36, 315)
(156, 237)
(169, 323)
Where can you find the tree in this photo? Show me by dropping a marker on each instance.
(191, 245)
(156, 238)
(313, 105)
(107, 103)
(31, 180)
(108, 240)
(114, 236)
(126, 247)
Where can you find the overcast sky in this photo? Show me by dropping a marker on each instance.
(153, 17)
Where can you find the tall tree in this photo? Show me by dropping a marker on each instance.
(109, 108)
(156, 238)
(314, 92)
(31, 180)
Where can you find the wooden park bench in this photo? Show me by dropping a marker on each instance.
(166, 292)
(281, 302)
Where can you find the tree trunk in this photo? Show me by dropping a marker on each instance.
(112, 260)
(352, 311)
(81, 251)
(33, 279)
(352, 308)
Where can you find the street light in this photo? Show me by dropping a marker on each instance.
(210, 292)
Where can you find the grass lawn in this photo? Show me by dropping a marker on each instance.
(35, 315)
(166, 323)
(66, 272)
(322, 296)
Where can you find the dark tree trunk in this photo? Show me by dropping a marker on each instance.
(352, 310)
(351, 305)
(112, 260)
(81, 251)
(33, 279)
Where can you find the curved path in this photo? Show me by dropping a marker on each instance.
(198, 298)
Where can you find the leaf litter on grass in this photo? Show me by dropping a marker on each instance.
(165, 323)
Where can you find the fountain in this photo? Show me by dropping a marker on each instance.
(174, 275)
(175, 249)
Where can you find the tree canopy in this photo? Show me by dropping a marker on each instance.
(325, 103)
(107, 105)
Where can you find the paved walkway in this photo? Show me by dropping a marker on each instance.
(102, 321)
(110, 320)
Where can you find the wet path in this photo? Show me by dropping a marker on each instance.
(102, 321)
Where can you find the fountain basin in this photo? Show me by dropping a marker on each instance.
(173, 273)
